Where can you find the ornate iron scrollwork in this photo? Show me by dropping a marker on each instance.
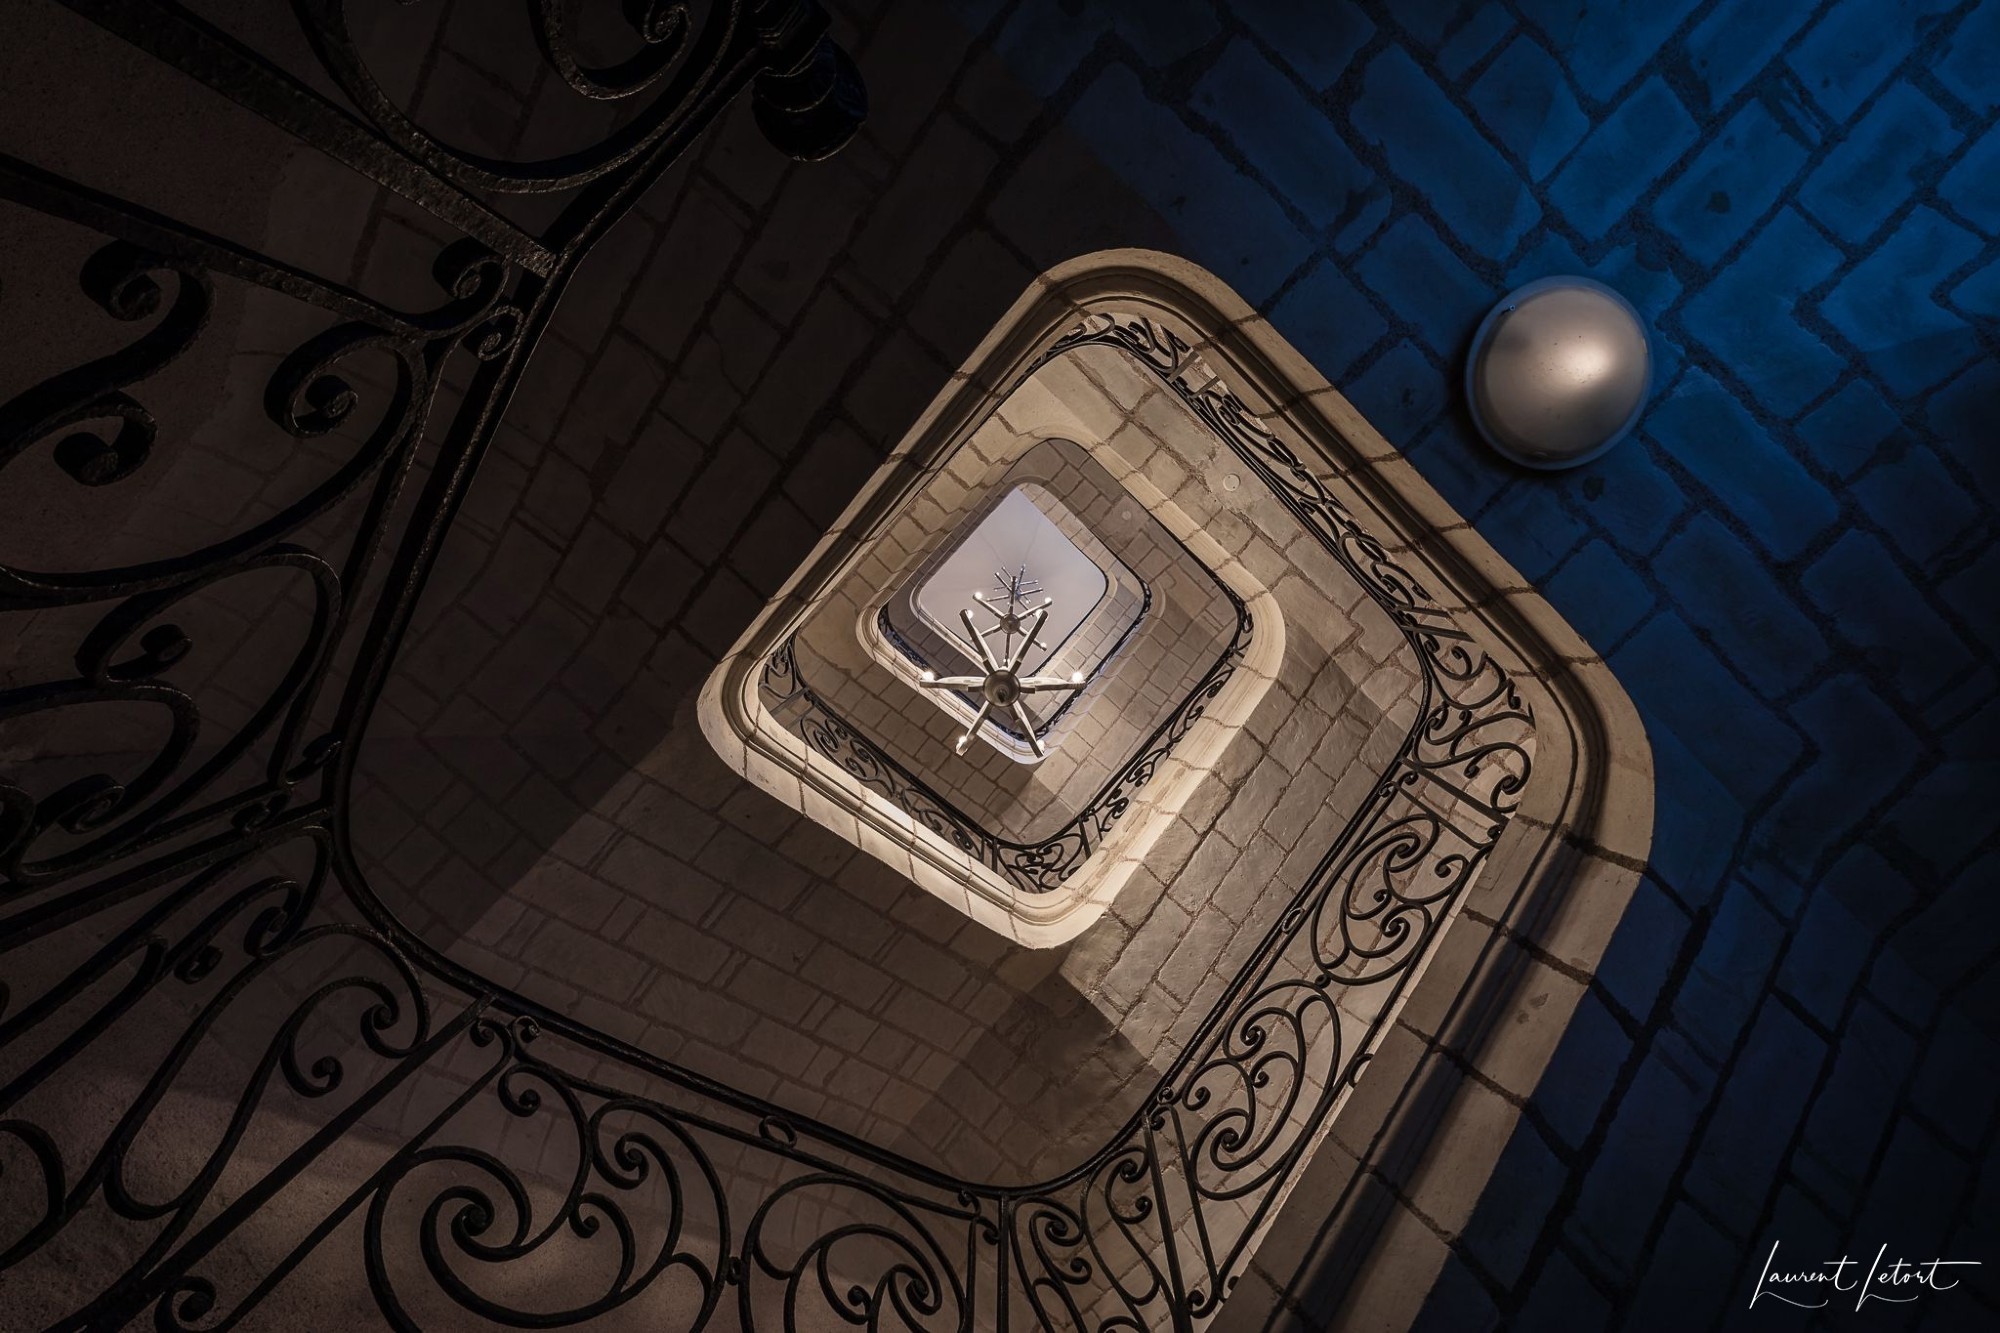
(467, 1153)
(1037, 867)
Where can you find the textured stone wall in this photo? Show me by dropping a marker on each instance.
(1185, 633)
(598, 468)
(686, 912)
(1790, 569)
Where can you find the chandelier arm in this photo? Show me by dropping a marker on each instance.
(951, 683)
(973, 730)
(1041, 617)
(1028, 728)
(978, 640)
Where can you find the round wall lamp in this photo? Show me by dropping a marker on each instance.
(1559, 372)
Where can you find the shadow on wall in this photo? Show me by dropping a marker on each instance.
(536, 798)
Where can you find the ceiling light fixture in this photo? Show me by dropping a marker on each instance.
(1002, 685)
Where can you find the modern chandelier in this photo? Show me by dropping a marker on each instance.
(1002, 685)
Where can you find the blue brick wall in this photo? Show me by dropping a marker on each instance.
(1791, 567)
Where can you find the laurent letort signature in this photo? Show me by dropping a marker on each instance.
(1908, 1281)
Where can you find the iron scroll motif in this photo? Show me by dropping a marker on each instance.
(362, 388)
(467, 1155)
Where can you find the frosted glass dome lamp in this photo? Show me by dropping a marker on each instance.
(1559, 372)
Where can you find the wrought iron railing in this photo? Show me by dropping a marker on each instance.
(392, 1133)
(1046, 864)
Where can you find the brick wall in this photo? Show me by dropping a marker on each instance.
(630, 879)
(729, 367)
(1189, 627)
(1790, 567)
